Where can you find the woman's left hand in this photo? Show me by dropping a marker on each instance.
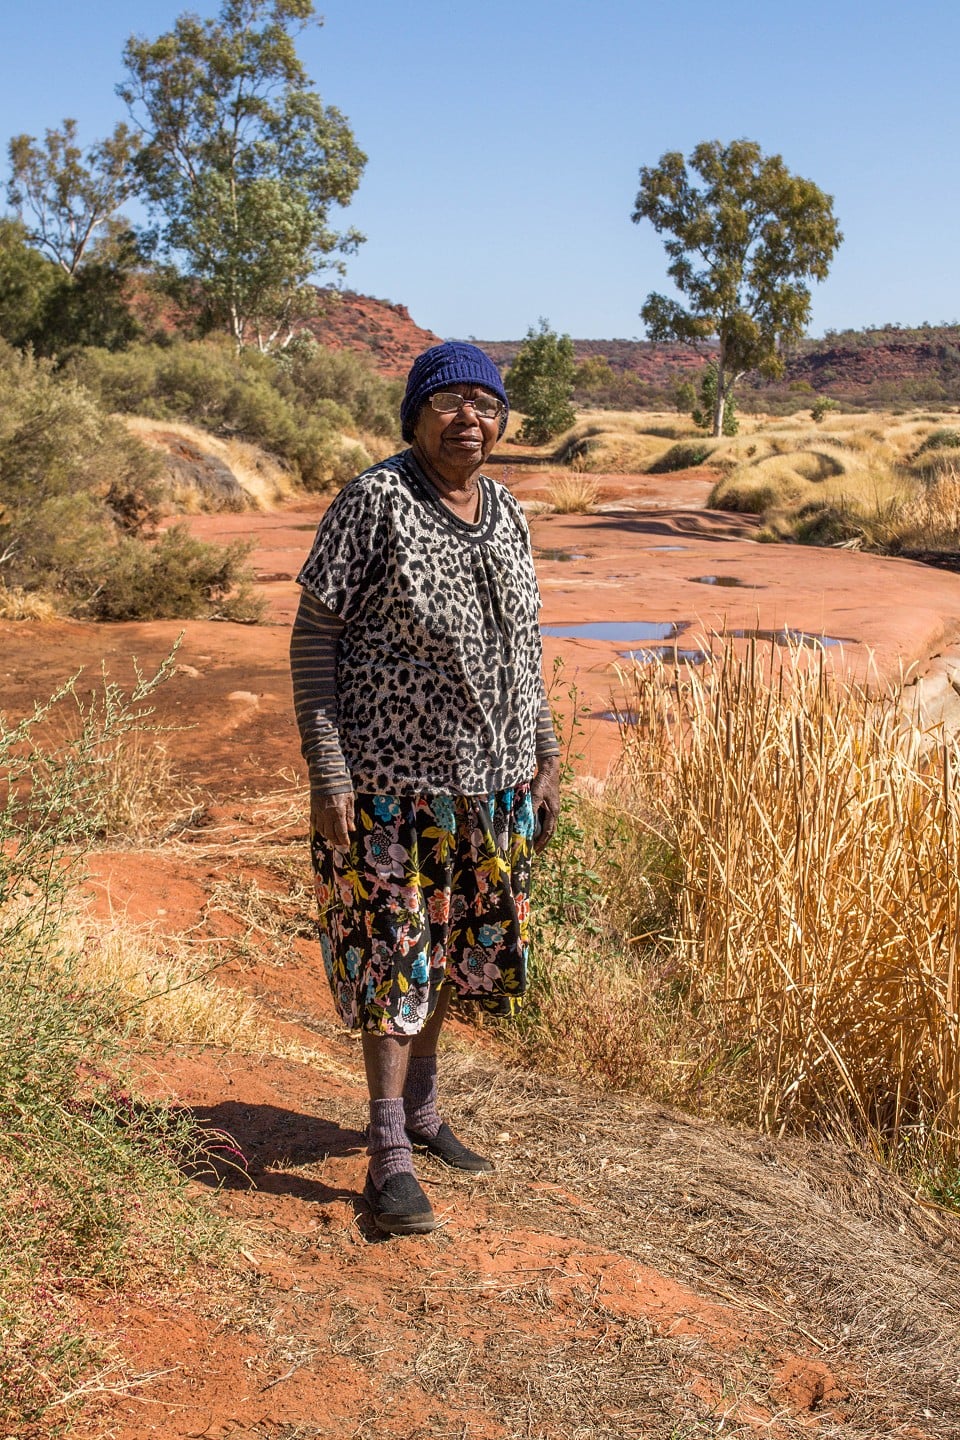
(545, 795)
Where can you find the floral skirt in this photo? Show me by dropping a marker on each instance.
(433, 889)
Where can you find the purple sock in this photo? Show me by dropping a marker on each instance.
(420, 1095)
(387, 1145)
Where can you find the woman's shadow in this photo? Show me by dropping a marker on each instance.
(241, 1146)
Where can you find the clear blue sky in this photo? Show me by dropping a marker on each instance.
(504, 139)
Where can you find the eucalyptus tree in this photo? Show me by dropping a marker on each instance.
(744, 237)
(242, 163)
(65, 199)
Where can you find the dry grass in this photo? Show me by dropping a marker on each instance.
(262, 478)
(934, 509)
(809, 1251)
(786, 484)
(129, 789)
(614, 442)
(817, 921)
(161, 990)
(573, 495)
(139, 791)
(19, 604)
(873, 482)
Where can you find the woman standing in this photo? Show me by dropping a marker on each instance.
(434, 769)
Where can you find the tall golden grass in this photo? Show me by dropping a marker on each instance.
(817, 910)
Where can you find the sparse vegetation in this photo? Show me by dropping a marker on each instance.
(881, 484)
(683, 456)
(93, 1180)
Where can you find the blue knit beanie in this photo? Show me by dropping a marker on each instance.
(452, 363)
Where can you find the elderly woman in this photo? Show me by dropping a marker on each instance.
(434, 769)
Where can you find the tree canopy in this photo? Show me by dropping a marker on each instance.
(540, 383)
(744, 236)
(65, 199)
(241, 162)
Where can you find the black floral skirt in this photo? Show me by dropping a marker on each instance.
(434, 889)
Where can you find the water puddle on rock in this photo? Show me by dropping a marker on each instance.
(665, 654)
(725, 581)
(559, 555)
(786, 636)
(622, 632)
(669, 547)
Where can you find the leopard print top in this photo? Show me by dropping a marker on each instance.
(439, 680)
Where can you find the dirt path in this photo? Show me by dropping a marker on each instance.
(627, 1271)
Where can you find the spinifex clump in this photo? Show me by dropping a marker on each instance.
(815, 833)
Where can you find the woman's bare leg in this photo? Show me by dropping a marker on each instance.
(387, 1057)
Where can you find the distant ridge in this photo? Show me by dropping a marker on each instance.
(882, 366)
(653, 364)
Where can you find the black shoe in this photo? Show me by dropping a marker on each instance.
(399, 1206)
(446, 1147)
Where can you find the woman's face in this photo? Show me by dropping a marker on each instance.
(456, 444)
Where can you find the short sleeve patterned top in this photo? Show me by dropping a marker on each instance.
(439, 680)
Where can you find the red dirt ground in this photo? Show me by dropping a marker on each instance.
(526, 1314)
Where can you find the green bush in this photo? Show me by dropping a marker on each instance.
(702, 413)
(178, 577)
(540, 384)
(684, 456)
(944, 439)
(298, 406)
(821, 407)
(78, 495)
(319, 375)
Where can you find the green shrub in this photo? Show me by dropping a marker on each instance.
(317, 374)
(684, 456)
(703, 412)
(821, 407)
(540, 384)
(944, 439)
(179, 578)
(77, 495)
(299, 406)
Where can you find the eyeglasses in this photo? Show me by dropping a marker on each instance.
(445, 402)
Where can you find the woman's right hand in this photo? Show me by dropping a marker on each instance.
(331, 817)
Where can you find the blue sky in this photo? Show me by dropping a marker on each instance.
(505, 139)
